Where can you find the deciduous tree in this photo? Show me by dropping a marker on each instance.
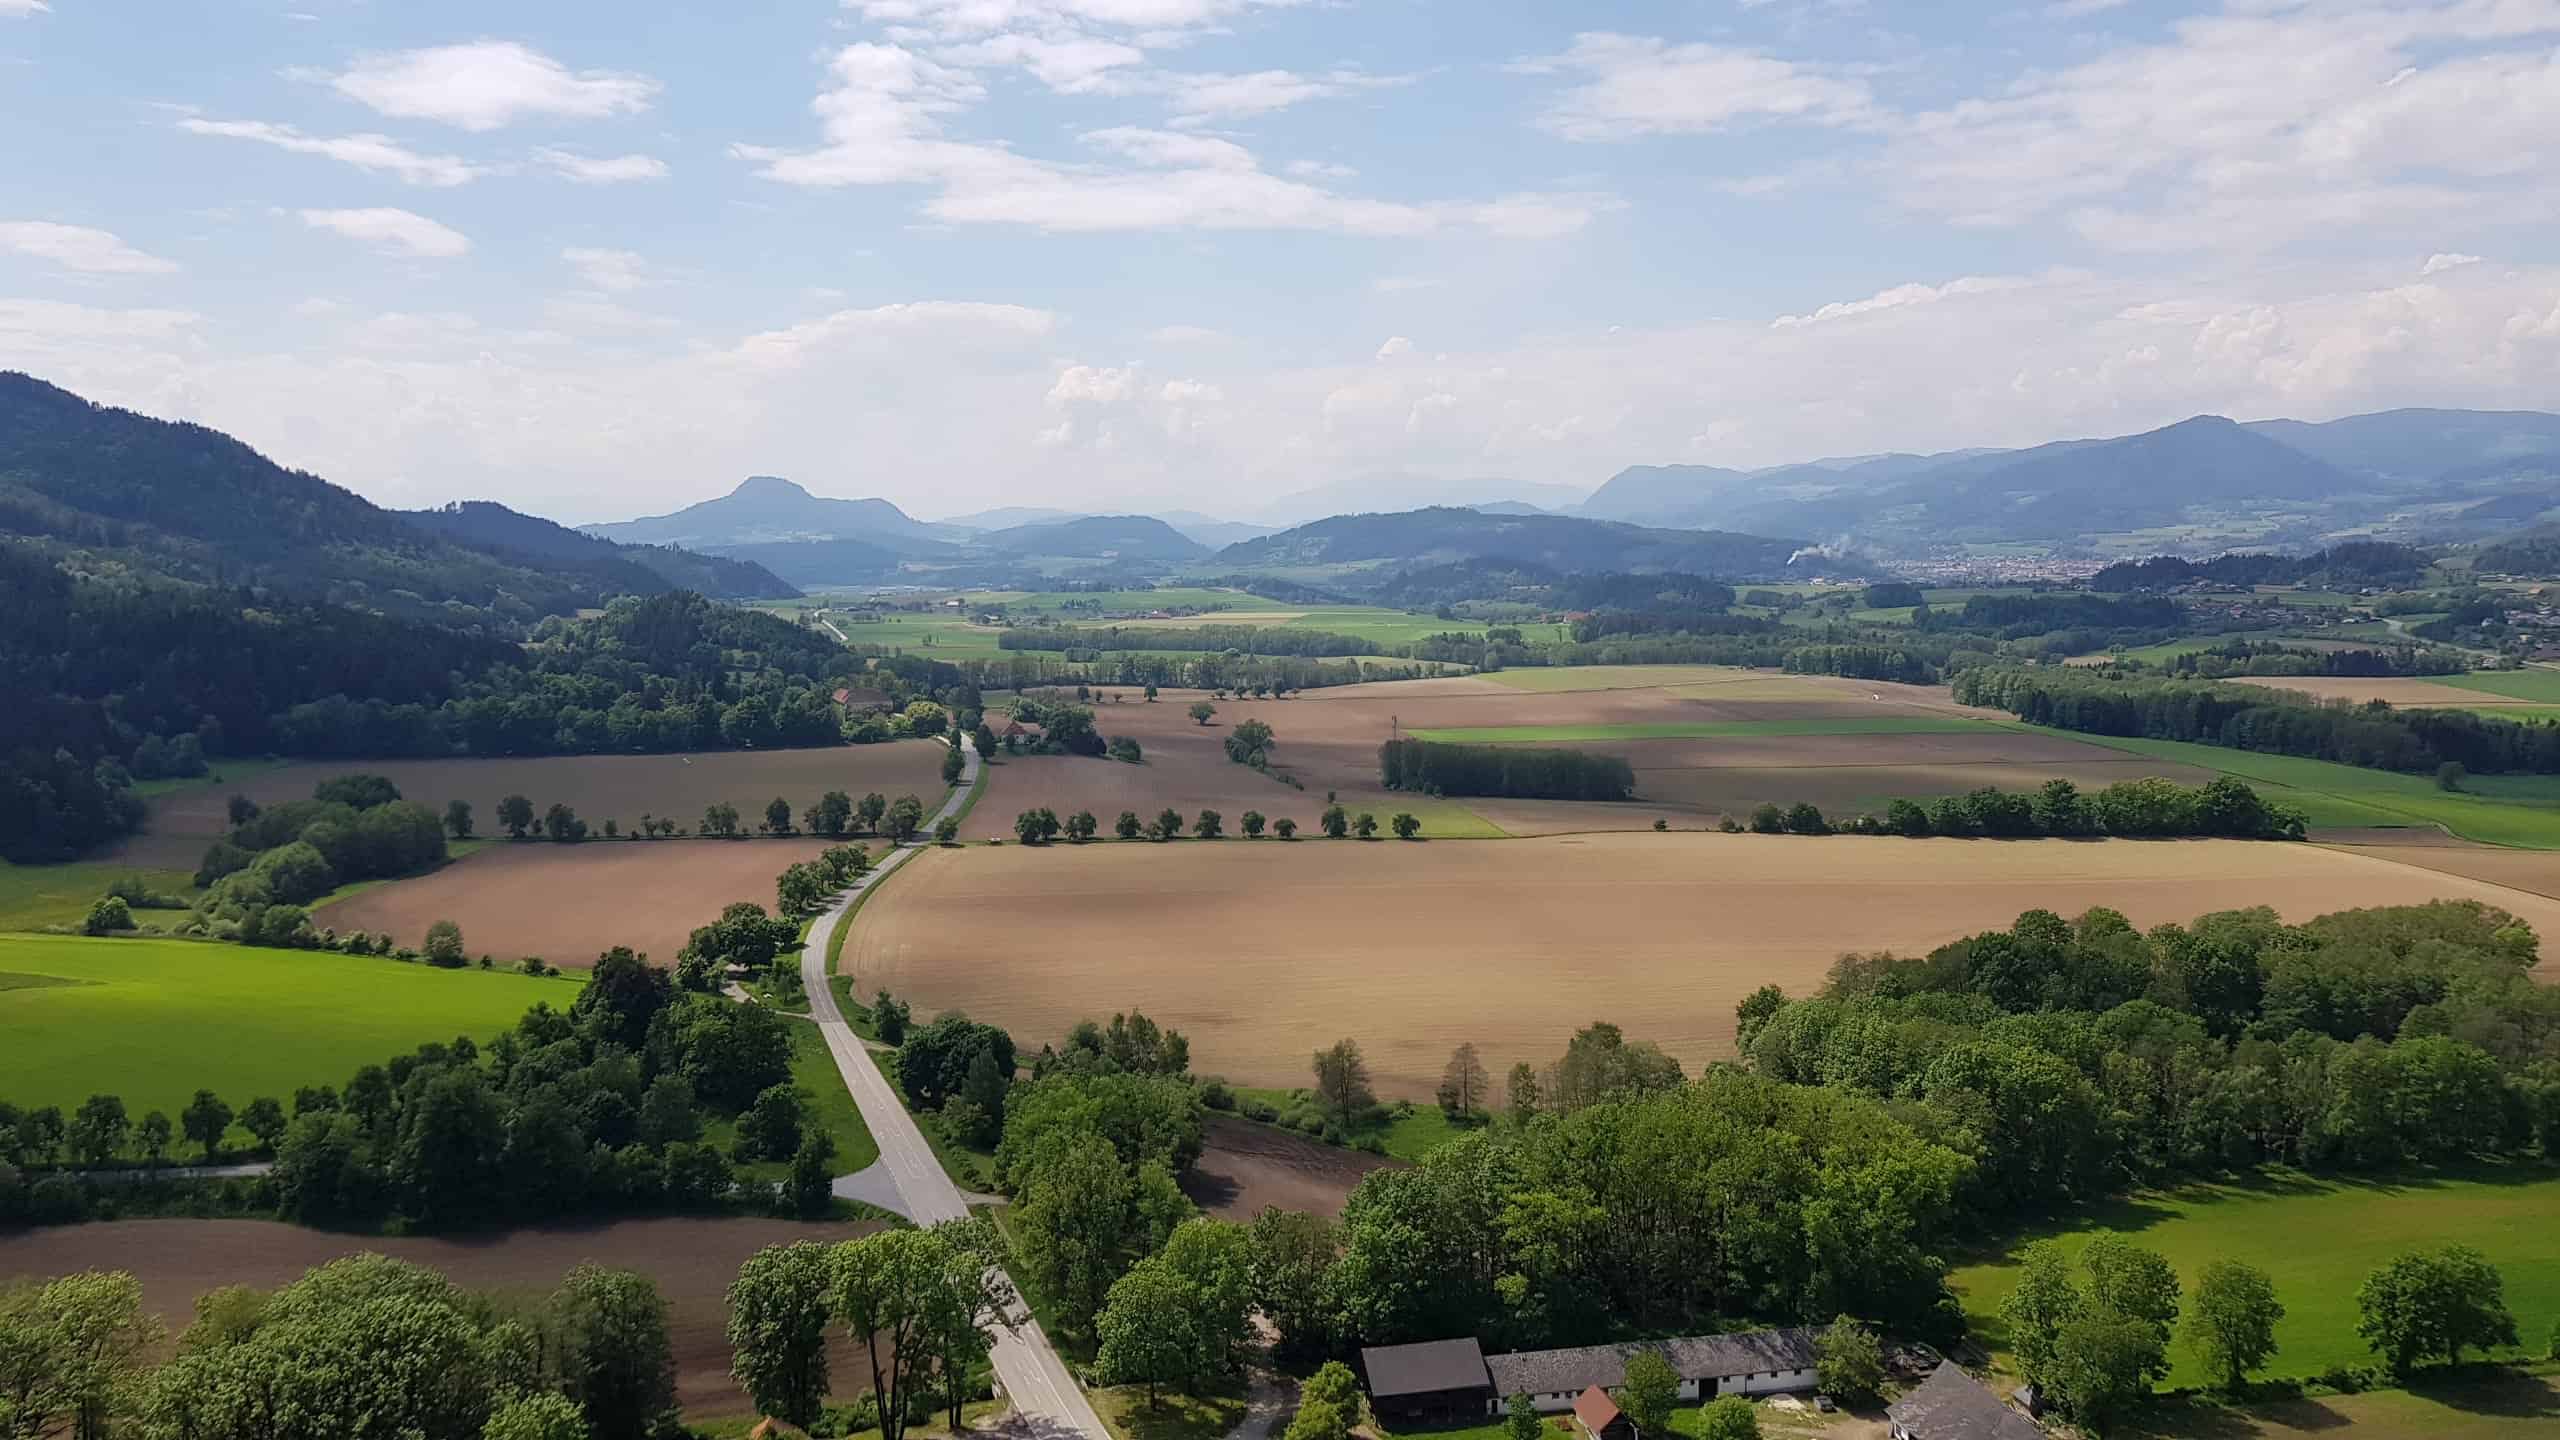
(2232, 1324)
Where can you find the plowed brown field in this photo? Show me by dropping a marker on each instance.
(570, 903)
(1246, 1167)
(1263, 952)
(692, 1260)
(598, 787)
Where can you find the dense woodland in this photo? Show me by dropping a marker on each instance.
(2245, 717)
(2347, 566)
(1520, 772)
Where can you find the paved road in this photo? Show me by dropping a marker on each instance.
(1047, 1402)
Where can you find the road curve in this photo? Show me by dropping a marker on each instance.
(1047, 1402)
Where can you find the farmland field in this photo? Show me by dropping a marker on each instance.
(2518, 810)
(155, 1020)
(2431, 691)
(598, 787)
(2317, 1238)
(570, 903)
(1263, 952)
(2540, 684)
(692, 1259)
(33, 896)
(2498, 1406)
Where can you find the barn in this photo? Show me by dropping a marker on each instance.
(1952, 1405)
(1434, 1382)
(1756, 1362)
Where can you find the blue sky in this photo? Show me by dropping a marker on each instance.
(600, 260)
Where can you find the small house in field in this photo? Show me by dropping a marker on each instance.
(1597, 1417)
(1435, 1382)
(1952, 1405)
(1755, 1362)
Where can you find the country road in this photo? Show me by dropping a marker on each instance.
(1047, 1402)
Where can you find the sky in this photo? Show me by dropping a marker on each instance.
(603, 260)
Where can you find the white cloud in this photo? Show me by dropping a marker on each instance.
(27, 325)
(394, 232)
(1184, 335)
(618, 271)
(1319, 170)
(960, 18)
(1199, 97)
(2443, 261)
(1900, 296)
(1396, 345)
(1634, 85)
(2082, 9)
(884, 117)
(1069, 65)
(488, 84)
(601, 170)
(16, 9)
(77, 247)
(378, 153)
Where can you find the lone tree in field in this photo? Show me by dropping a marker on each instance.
(203, 1122)
(444, 945)
(1249, 743)
(1342, 1081)
(2232, 1328)
(2431, 1303)
(1200, 710)
(516, 813)
(457, 819)
(1464, 1085)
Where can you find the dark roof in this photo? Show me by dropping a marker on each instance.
(1696, 1357)
(1595, 1410)
(1952, 1405)
(1424, 1369)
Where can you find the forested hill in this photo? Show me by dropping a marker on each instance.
(1555, 542)
(493, 529)
(192, 503)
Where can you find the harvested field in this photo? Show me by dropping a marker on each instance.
(693, 1259)
(598, 787)
(2533, 872)
(571, 903)
(2405, 691)
(1264, 952)
(1247, 1167)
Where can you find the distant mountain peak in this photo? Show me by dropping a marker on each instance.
(772, 487)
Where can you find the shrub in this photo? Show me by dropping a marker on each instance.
(108, 915)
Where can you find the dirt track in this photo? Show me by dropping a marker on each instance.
(1264, 952)
(598, 787)
(692, 1260)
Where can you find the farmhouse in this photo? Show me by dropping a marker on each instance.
(1440, 1380)
(1758, 1362)
(1952, 1405)
(1598, 1417)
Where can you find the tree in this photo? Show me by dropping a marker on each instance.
(1200, 710)
(615, 1360)
(2045, 1299)
(953, 767)
(895, 1290)
(1285, 828)
(1210, 826)
(563, 826)
(264, 1117)
(98, 1129)
(444, 945)
(516, 813)
(2102, 1364)
(457, 819)
(1849, 1362)
(1365, 825)
(204, 1121)
(868, 813)
(888, 1018)
(1405, 825)
(770, 1128)
(155, 1132)
(2138, 1284)
(777, 817)
(1081, 825)
(1728, 1417)
(1464, 1084)
(539, 1416)
(1071, 1220)
(832, 815)
(1520, 1093)
(107, 915)
(1166, 826)
(1652, 1388)
(1127, 826)
(1342, 1081)
(1755, 1012)
(1520, 1418)
(811, 1183)
(1027, 826)
(1249, 743)
(2429, 1303)
(71, 1350)
(2450, 775)
(946, 831)
(1145, 1330)
(1252, 824)
(2232, 1328)
(1317, 1420)
(1125, 750)
(904, 818)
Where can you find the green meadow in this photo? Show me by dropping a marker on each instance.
(1712, 729)
(154, 1020)
(2317, 1238)
(2518, 810)
(2535, 684)
(34, 896)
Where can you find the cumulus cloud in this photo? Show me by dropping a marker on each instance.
(80, 248)
(618, 271)
(392, 231)
(1396, 345)
(378, 153)
(19, 9)
(1631, 85)
(2442, 261)
(1902, 295)
(601, 170)
(488, 84)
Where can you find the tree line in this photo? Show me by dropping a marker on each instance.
(2149, 808)
(1517, 771)
(2243, 717)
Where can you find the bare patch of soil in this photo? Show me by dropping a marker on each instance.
(1247, 1167)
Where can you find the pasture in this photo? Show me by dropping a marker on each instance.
(692, 1259)
(1263, 952)
(2517, 810)
(599, 787)
(571, 903)
(34, 896)
(2407, 692)
(2317, 1237)
(2540, 683)
(156, 1020)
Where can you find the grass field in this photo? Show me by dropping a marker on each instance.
(2520, 810)
(831, 1109)
(1715, 729)
(1413, 949)
(2317, 1238)
(2499, 1405)
(34, 896)
(155, 1020)
(2536, 684)
(1406, 1137)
